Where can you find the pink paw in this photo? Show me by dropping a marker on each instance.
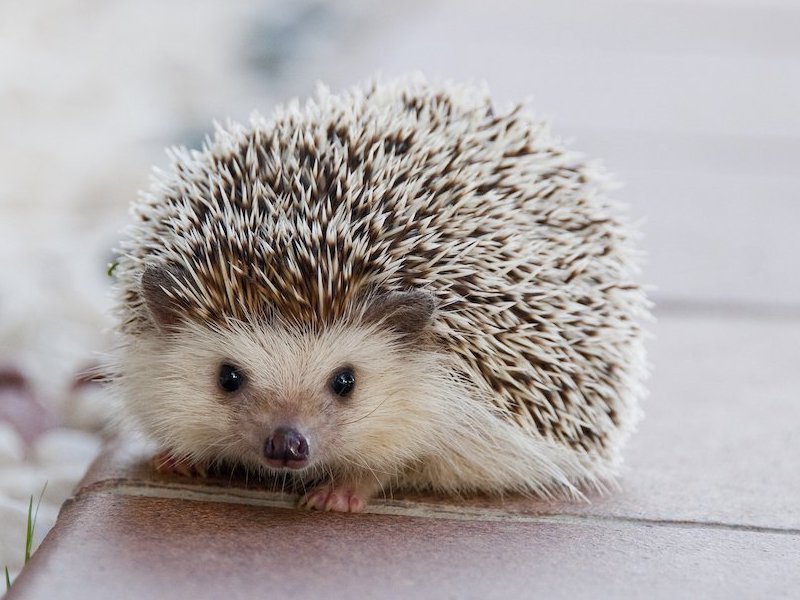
(164, 462)
(337, 498)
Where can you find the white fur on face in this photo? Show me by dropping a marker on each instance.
(171, 390)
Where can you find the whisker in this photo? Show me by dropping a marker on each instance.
(370, 413)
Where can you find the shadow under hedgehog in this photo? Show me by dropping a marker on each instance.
(395, 287)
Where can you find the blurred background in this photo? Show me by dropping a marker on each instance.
(693, 105)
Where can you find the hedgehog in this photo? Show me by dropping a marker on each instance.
(398, 287)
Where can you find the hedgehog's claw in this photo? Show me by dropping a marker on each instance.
(166, 463)
(335, 498)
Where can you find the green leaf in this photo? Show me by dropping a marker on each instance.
(8, 580)
(29, 532)
(111, 268)
(32, 516)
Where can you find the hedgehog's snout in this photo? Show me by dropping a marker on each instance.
(286, 448)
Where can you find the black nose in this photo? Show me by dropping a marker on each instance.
(286, 447)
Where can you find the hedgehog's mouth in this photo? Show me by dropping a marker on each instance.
(289, 464)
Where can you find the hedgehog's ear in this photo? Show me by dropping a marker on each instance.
(407, 313)
(158, 286)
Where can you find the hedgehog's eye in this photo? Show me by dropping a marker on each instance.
(343, 382)
(230, 378)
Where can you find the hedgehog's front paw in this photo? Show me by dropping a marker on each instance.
(337, 497)
(165, 462)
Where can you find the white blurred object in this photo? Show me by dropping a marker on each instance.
(21, 481)
(59, 446)
(88, 408)
(12, 448)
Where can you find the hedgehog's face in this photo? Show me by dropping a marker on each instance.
(284, 398)
(294, 400)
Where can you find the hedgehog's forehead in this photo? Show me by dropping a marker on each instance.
(306, 305)
(290, 356)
